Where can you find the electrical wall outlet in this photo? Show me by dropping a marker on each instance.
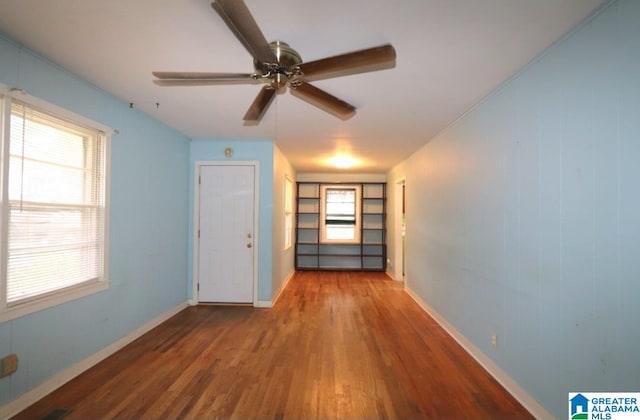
(8, 365)
(494, 340)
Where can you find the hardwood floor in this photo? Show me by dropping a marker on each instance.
(336, 345)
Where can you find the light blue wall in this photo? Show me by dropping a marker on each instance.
(523, 217)
(244, 150)
(148, 234)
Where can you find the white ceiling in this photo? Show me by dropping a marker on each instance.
(450, 53)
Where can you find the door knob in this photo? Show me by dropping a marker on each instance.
(249, 245)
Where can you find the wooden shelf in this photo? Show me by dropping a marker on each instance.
(369, 254)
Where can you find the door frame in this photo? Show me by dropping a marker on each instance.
(196, 221)
(399, 248)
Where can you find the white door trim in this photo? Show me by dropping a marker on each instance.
(397, 223)
(196, 221)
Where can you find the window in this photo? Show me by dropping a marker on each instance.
(54, 211)
(340, 214)
(288, 212)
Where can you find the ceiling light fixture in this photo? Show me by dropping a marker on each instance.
(343, 161)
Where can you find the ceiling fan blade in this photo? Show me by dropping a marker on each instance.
(171, 78)
(260, 104)
(202, 75)
(200, 82)
(370, 59)
(322, 99)
(237, 16)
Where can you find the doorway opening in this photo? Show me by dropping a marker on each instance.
(400, 230)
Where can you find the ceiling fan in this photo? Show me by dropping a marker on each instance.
(278, 65)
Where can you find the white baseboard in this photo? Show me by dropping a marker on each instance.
(530, 403)
(270, 303)
(284, 285)
(61, 378)
(263, 304)
(393, 277)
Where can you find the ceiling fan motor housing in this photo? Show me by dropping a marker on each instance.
(281, 71)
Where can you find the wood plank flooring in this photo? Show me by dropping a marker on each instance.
(336, 345)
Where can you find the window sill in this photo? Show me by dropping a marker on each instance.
(22, 309)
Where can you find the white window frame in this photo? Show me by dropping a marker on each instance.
(323, 210)
(58, 297)
(288, 212)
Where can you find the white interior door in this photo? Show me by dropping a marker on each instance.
(226, 228)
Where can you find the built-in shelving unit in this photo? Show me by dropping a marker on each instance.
(369, 254)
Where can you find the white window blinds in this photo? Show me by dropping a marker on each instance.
(341, 206)
(56, 216)
(340, 214)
